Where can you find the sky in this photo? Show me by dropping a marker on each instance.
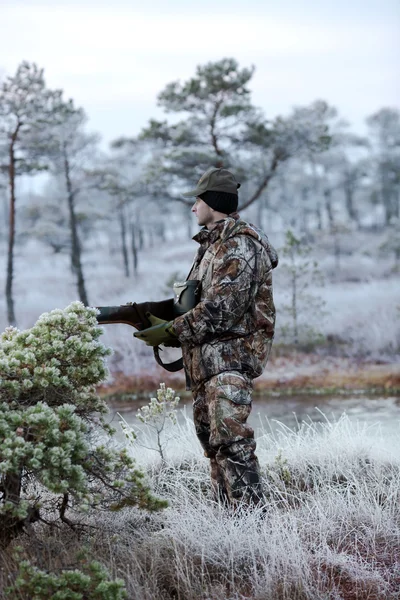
(113, 58)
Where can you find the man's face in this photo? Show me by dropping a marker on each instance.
(204, 214)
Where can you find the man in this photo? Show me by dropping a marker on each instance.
(226, 339)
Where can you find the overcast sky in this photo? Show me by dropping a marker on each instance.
(114, 57)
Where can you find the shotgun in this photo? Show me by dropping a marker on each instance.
(186, 296)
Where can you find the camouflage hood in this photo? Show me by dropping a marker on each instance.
(240, 227)
(232, 226)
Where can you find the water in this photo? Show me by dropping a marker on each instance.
(384, 412)
(291, 411)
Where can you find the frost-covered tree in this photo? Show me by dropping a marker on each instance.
(154, 417)
(133, 207)
(45, 218)
(273, 145)
(391, 244)
(112, 179)
(3, 210)
(223, 128)
(73, 149)
(303, 308)
(54, 458)
(331, 169)
(27, 108)
(216, 102)
(384, 127)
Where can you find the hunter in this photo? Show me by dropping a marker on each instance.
(227, 337)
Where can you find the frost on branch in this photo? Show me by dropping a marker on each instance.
(58, 360)
(49, 410)
(154, 416)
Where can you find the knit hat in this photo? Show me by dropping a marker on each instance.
(215, 180)
(221, 201)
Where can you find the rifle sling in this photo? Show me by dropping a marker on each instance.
(173, 367)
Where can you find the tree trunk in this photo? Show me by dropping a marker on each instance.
(294, 307)
(328, 207)
(4, 210)
(260, 212)
(124, 246)
(161, 231)
(390, 202)
(134, 248)
(214, 136)
(388, 195)
(303, 210)
(10, 525)
(11, 230)
(140, 236)
(76, 252)
(276, 160)
(318, 213)
(349, 196)
(397, 259)
(336, 248)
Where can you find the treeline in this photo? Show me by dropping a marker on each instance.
(306, 171)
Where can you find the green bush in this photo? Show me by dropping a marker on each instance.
(50, 416)
(92, 582)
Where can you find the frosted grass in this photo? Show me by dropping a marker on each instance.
(330, 523)
(366, 315)
(329, 528)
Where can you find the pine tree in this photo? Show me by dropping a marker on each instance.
(70, 148)
(384, 127)
(27, 109)
(303, 309)
(223, 128)
(50, 417)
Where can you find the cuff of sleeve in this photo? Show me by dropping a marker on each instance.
(170, 329)
(176, 326)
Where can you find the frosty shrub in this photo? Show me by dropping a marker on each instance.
(92, 582)
(155, 416)
(303, 310)
(50, 419)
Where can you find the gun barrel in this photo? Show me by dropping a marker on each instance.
(136, 314)
(125, 313)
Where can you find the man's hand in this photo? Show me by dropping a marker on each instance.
(160, 332)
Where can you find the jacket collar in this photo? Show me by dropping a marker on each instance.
(219, 231)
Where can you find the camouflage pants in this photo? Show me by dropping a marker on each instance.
(221, 407)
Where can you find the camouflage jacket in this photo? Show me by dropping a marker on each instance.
(232, 326)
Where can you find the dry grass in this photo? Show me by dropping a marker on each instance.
(297, 372)
(313, 372)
